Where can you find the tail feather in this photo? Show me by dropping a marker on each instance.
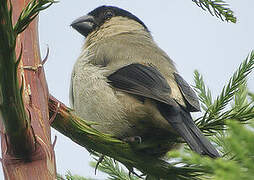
(183, 124)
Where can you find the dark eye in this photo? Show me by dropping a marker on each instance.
(108, 15)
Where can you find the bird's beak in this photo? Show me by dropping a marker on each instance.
(84, 25)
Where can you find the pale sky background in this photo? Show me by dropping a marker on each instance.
(192, 38)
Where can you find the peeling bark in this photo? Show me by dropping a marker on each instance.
(37, 161)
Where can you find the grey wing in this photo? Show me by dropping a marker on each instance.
(147, 81)
(141, 80)
(189, 95)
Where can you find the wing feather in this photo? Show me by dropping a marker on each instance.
(148, 82)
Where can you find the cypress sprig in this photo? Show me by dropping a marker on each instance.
(203, 92)
(114, 170)
(218, 8)
(30, 12)
(241, 96)
(70, 176)
(214, 118)
(239, 141)
(251, 95)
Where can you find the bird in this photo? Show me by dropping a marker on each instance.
(125, 83)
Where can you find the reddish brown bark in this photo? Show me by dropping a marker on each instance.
(39, 163)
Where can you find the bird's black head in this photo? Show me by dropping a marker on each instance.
(97, 17)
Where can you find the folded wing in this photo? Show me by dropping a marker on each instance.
(148, 82)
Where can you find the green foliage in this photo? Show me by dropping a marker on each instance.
(8, 61)
(218, 8)
(30, 12)
(12, 110)
(216, 112)
(240, 142)
(203, 92)
(9, 92)
(251, 95)
(114, 170)
(7, 40)
(70, 176)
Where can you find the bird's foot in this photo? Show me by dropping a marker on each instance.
(133, 139)
(98, 162)
(131, 171)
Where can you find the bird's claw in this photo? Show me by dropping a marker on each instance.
(98, 163)
(133, 139)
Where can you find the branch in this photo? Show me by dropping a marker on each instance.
(218, 8)
(27, 152)
(81, 132)
(14, 117)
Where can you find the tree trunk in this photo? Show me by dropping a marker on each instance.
(28, 155)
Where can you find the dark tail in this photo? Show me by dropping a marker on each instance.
(183, 124)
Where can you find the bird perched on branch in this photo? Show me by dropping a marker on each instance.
(130, 87)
